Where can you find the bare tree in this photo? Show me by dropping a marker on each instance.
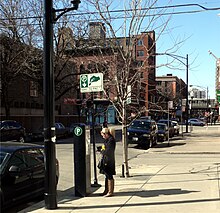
(22, 22)
(131, 19)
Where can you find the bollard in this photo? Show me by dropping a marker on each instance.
(123, 170)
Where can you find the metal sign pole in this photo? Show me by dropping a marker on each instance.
(168, 125)
(92, 82)
(93, 142)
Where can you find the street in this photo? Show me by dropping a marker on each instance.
(187, 150)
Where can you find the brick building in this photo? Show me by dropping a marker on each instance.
(170, 88)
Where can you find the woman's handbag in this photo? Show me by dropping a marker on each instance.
(101, 165)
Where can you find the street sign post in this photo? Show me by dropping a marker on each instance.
(92, 82)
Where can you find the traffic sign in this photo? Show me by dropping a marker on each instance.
(92, 82)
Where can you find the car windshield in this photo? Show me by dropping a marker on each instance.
(161, 127)
(3, 158)
(166, 122)
(140, 125)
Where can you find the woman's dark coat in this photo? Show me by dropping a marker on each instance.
(109, 155)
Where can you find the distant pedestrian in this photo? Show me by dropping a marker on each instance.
(108, 157)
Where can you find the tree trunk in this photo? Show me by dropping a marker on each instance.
(124, 141)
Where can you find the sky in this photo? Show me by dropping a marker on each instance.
(202, 33)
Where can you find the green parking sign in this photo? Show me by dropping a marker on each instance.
(78, 131)
(92, 82)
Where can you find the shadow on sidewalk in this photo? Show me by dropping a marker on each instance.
(153, 193)
(138, 204)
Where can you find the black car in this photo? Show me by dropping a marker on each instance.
(12, 130)
(35, 135)
(61, 130)
(170, 126)
(143, 132)
(162, 133)
(22, 171)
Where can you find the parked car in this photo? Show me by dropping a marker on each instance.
(97, 127)
(22, 172)
(176, 127)
(35, 135)
(170, 126)
(143, 132)
(162, 133)
(196, 122)
(61, 130)
(12, 131)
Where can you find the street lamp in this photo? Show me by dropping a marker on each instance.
(50, 18)
(178, 58)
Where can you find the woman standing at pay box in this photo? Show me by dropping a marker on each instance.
(108, 157)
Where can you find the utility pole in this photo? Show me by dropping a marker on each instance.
(217, 81)
(186, 64)
(50, 18)
(49, 107)
(187, 96)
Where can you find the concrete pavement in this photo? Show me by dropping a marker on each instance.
(177, 187)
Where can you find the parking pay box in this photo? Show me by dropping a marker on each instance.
(82, 168)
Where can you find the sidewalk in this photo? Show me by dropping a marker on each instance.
(179, 187)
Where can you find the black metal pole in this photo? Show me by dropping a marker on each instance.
(207, 99)
(187, 101)
(93, 142)
(49, 118)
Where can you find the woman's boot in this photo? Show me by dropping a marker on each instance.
(110, 188)
(106, 188)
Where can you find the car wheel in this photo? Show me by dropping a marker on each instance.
(145, 145)
(21, 139)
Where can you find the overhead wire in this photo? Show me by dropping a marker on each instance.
(130, 10)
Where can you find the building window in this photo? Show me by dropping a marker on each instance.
(16, 104)
(140, 42)
(159, 83)
(140, 53)
(33, 89)
(22, 104)
(118, 43)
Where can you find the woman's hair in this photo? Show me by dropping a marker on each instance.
(109, 131)
(112, 132)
